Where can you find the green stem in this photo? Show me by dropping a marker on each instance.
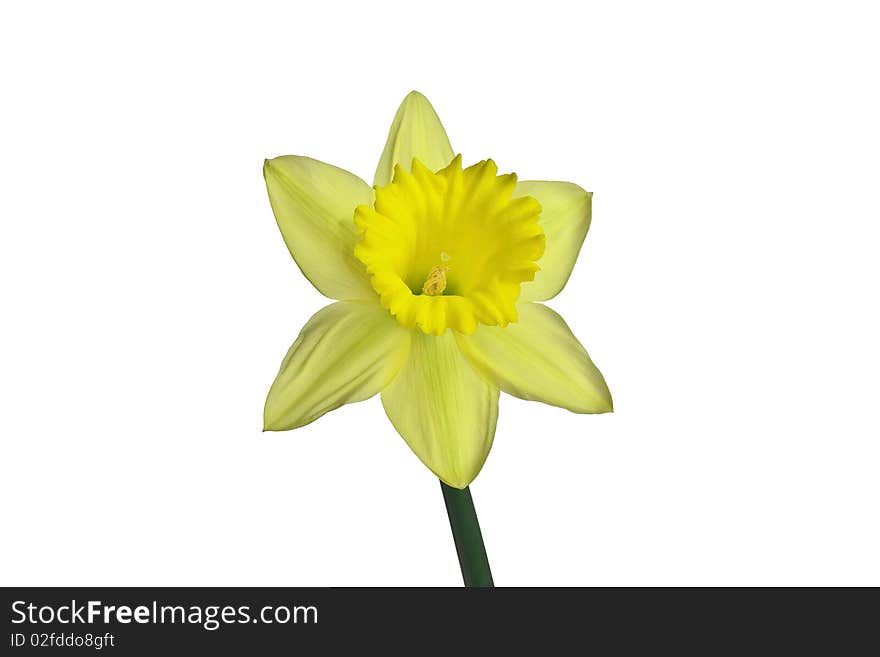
(468, 538)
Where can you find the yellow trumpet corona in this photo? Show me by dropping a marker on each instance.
(469, 220)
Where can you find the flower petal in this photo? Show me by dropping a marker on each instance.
(539, 359)
(314, 206)
(347, 352)
(565, 218)
(415, 132)
(443, 409)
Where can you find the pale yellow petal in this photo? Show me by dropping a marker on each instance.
(539, 359)
(415, 132)
(314, 206)
(346, 352)
(565, 219)
(443, 409)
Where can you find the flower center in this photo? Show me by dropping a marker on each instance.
(450, 249)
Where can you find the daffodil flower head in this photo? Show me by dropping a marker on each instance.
(437, 270)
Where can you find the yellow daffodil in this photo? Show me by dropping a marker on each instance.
(436, 270)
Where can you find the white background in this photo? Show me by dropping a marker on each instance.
(727, 289)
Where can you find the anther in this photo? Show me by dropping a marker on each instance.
(436, 282)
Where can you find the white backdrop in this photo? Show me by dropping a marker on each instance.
(727, 290)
